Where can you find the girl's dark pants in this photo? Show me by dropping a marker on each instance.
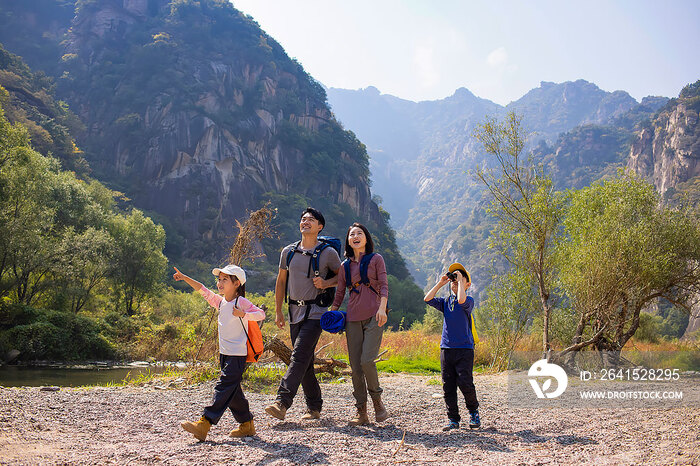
(456, 365)
(228, 392)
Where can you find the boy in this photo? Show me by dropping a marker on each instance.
(457, 344)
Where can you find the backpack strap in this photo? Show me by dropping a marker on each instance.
(346, 268)
(364, 277)
(250, 342)
(316, 257)
(290, 254)
(314, 262)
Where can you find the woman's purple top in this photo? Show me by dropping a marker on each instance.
(364, 304)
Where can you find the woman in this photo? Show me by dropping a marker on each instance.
(363, 273)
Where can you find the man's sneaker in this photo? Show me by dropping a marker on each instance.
(277, 409)
(451, 425)
(474, 421)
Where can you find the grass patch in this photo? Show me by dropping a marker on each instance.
(263, 379)
(421, 365)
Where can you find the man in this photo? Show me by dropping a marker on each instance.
(297, 274)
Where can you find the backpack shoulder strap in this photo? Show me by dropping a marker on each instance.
(316, 257)
(364, 266)
(291, 252)
(346, 269)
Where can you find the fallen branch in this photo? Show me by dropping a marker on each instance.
(321, 349)
(284, 353)
(403, 437)
(379, 356)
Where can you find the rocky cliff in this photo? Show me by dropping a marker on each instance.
(667, 150)
(199, 116)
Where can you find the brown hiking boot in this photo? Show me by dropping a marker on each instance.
(247, 429)
(277, 410)
(380, 413)
(360, 418)
(310, 415)
(199, 429)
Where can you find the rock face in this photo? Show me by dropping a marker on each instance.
(200, 132)
(667, 152)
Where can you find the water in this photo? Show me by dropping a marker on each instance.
(20, 376)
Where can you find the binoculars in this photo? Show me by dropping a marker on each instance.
(453, 276)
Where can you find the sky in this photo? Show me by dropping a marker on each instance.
(498, 49)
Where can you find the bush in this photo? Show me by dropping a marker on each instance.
(648, 330)
(53, 335)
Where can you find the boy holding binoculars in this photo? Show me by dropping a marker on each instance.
(457, 344)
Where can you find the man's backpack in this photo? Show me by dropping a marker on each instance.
(324, 297)
(255, 343)
(364, 279)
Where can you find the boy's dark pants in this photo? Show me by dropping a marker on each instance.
(305, 336)
(456, 365)
(228, 392)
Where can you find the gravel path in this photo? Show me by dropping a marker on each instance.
(141, 426)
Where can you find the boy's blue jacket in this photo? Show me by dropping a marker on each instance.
(456, 328)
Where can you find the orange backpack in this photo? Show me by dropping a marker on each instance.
(255, 343)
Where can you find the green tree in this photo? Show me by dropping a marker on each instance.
(29, 245)
(624, 251)
(504, 316)
(139, 260)
(405, 302)
(527, 209)
(88, 265)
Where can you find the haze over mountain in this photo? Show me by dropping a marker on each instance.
(422, 156)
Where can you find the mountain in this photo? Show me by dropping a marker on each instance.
(552, 109)
(198, 116)
(49, 123)
(426, 180)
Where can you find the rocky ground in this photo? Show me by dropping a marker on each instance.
(141, 425)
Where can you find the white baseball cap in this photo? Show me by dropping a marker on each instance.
(231, 269)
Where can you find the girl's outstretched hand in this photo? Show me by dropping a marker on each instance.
(177, 276)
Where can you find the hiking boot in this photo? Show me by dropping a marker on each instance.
(311, 414)
(474, 421)
(360, 418)
(247, 429)
(199, 429)
(450, 426)
(276, 409)
(380, 413)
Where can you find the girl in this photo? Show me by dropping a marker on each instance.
(364, 274)
(234, 313)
